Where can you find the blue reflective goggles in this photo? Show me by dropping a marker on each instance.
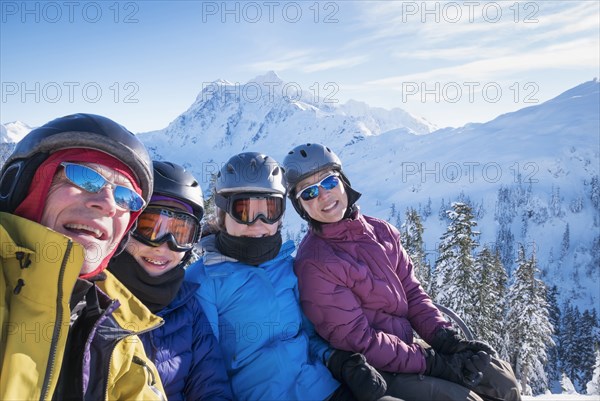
(90, 180)
(312, 191)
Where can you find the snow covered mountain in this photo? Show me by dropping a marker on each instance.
(531, 175)
(268, 114)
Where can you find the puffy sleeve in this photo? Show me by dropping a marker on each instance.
(338, 317)
(208, 378)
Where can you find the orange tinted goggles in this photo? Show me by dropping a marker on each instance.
(158, 224)
(247, 208)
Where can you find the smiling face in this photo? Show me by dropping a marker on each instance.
(160, 259)
(257, 229)
(330, 205)
(91, 219)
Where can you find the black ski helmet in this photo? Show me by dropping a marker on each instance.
(88, 131)
(307, 159)
(250, 172)
(173, 180)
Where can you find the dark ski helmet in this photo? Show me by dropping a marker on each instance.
(88, 131)
(307, 159)
(250, 172)
(173, 180)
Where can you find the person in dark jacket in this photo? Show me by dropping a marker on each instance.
(250, 294)
(358, 287)
(69, 194)
(184, 350)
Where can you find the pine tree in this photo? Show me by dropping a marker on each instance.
(553, 367)
(455, 278)
(595, 192)
(491, 293)
(593, 386)
(569, 330)
(556, 203)
(412, 240)
(392, 212)
(566, 242)
(443, 211)
(505, 246)
(585, 345)
(528, 325)
(505, 207)
(427, 209)
(209, 203)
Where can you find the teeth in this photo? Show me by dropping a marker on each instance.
(329, 207)
(97, 233)
(156, 262)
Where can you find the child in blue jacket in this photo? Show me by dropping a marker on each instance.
(184, 349)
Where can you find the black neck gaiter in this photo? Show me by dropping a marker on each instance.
(249, 250)
(154, 292)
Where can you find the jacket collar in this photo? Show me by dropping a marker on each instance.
(185, 293)
(131, 312)
(344, 229)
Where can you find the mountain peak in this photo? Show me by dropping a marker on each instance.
(270, 77)
(585, 89)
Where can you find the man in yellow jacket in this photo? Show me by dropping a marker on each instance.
(69, 195)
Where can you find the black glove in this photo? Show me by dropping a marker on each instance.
(465, 368)
(352, 369)
(448, 341)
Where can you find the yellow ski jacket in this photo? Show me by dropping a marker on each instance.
(39, 268)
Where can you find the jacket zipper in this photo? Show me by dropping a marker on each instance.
(136, 359)
(57, 324)
(152, 381)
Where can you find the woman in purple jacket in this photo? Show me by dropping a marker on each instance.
(358, 287)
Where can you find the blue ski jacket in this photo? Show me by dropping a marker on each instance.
(186, 352)
(271, 350)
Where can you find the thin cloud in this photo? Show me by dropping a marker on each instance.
(396, 22)
(306, 61)
(335, 64)
(575, 54)
(285, 62)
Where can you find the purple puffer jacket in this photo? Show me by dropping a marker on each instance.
(358, 288)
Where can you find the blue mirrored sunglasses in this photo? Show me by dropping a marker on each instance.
(90, 180)
(312, 191)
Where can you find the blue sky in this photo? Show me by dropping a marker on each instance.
(144, 63)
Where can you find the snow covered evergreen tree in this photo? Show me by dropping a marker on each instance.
(528, 325)
(593, 386)
(595, 192)
(491, 294)
(505, 246)
(567, 347)
(553, 365)
(586, 345)
(566, 242)
(209, 202)
(556, 203)
(455, 279)
(412, 240)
